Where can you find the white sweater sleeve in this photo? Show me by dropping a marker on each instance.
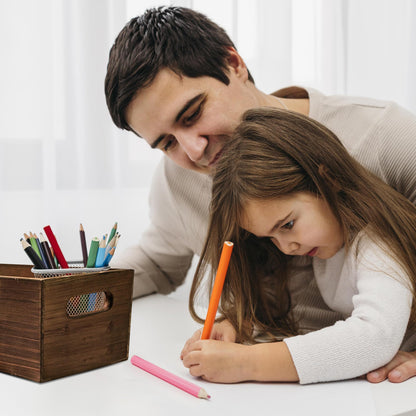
(367, 339)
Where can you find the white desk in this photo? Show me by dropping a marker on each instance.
(160, 326)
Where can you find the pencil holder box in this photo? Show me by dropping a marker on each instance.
(50, 327)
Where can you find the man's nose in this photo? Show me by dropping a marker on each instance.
(194, 145)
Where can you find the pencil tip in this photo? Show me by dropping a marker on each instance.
(202, 394)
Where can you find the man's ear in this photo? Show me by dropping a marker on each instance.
(236, 63)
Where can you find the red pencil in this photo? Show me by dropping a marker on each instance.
(55, 246)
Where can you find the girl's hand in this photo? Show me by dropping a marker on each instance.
(222, 331)
(218, 361)
(229, 362)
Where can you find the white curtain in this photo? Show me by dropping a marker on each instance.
(62, 162)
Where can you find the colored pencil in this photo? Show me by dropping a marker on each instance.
(34, 244)
(27, 238)
(36, 260)
(110, 252)
(99, 262)
(55, 260)
(91, 302)
(217, 289)
(109, 256)
(117, 237)
(111, 243)
(92, 255)
(42, 251)
(75, 301)
(83, 245)
(45, 246)
(83, 303)
(112, 232)
(55, 246)
(165, 375)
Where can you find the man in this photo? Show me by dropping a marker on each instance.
(176, 79)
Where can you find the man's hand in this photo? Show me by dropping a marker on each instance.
(400, 368)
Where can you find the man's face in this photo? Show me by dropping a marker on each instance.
(190, 119)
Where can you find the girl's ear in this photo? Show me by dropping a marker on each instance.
(326, 175)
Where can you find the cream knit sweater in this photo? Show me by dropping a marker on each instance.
(374, 297)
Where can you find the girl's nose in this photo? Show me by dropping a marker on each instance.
(287, 247)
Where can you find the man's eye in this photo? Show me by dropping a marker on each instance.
(194, 116)
(169, 143)
(289, 225)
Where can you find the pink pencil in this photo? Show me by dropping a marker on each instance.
(170, 378)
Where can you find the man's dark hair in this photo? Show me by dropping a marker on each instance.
(177, 38)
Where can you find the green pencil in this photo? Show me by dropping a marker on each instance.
(92, 255)
(113, 231)
(34, 244)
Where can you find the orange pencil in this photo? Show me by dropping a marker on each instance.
(217, 289)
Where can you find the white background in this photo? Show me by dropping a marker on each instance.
(62, 162)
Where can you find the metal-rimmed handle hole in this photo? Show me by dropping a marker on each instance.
(88, 303)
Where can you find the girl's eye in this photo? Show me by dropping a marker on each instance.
(289, 225)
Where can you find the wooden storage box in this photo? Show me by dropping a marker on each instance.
(41, 341)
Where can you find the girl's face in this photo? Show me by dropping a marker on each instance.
(300, 224)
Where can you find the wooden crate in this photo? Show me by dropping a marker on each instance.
(40, 341)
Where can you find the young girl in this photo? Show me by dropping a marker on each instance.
(286, 192)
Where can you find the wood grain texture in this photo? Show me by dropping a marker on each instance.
(40, 342)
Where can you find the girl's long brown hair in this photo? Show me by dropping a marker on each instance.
(274, 153)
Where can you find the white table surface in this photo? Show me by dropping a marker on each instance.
(159, 327)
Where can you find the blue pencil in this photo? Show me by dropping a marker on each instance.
(91, 302)
(99, 262)
(109, 256)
